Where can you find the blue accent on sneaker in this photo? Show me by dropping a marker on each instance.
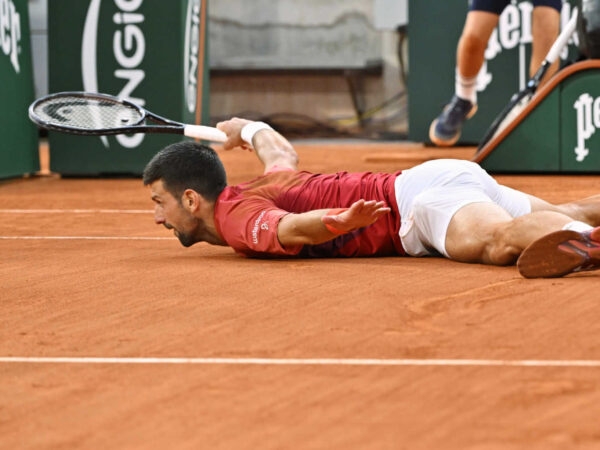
(446, 128)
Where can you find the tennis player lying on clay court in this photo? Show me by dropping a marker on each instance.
(448, 208)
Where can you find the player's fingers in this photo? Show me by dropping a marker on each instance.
(373, 205)
(229, 144)
(357, 204)
(225, 126)
(382, 211)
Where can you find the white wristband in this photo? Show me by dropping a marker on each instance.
(251, 129)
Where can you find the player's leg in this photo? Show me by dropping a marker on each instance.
(511, 221)
(584, 210)
(454, 208)
(481, 20)
(551, 241)
(487, 233)
(545, 28)
(574, 249)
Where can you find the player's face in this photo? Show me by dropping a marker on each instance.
(169, 212)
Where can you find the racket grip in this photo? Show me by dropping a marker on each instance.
(563, 38)
(204, 133)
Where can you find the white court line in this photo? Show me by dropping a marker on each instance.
(76, 211)
(308, 361)
(85, 238)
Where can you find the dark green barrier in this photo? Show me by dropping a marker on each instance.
(580, 122)
(435, 27)
(19, 151)
(152, 52)
(559, 133)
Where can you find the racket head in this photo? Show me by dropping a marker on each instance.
(86, 113)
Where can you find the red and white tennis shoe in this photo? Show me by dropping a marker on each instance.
(561, 253)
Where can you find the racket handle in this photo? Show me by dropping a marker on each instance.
(204, 133)
(563, 38)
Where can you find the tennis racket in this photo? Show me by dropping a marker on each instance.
(92, 114)
(520, 99)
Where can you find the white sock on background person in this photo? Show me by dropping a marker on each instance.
(465, 88)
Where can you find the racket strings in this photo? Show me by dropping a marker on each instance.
(87, 114)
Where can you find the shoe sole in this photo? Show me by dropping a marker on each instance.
(448, 142)
(560, 253)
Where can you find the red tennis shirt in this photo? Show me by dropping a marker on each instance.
(247, 215)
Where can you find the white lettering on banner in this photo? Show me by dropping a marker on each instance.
(10, 32)
(191, 52)
(89, 39)
(89, 74)
(514, 29)
(588, 120)
(129, 48)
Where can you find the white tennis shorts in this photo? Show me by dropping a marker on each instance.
(428, 196)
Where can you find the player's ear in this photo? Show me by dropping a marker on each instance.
(191, 200)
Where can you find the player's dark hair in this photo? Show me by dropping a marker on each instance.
(187, 165)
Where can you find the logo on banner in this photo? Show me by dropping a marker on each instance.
(588, 120)
(191, 54)
(128, 49)
(514, 31)
(10, 32)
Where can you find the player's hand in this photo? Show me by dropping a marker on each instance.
(233, 129)
(361, 214)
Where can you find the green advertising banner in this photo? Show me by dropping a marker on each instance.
(151, 52)
(19, 152)
(533, 146)
(558, 132)
(435, 28)
(580, 122)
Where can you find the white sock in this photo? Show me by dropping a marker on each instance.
(577, 226)
(465, 88)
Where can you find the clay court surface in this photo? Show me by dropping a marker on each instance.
(113, 336)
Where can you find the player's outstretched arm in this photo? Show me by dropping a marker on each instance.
(318, 226)
(270, 146)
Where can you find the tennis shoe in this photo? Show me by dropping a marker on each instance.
(446, 128)
(561, 253)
